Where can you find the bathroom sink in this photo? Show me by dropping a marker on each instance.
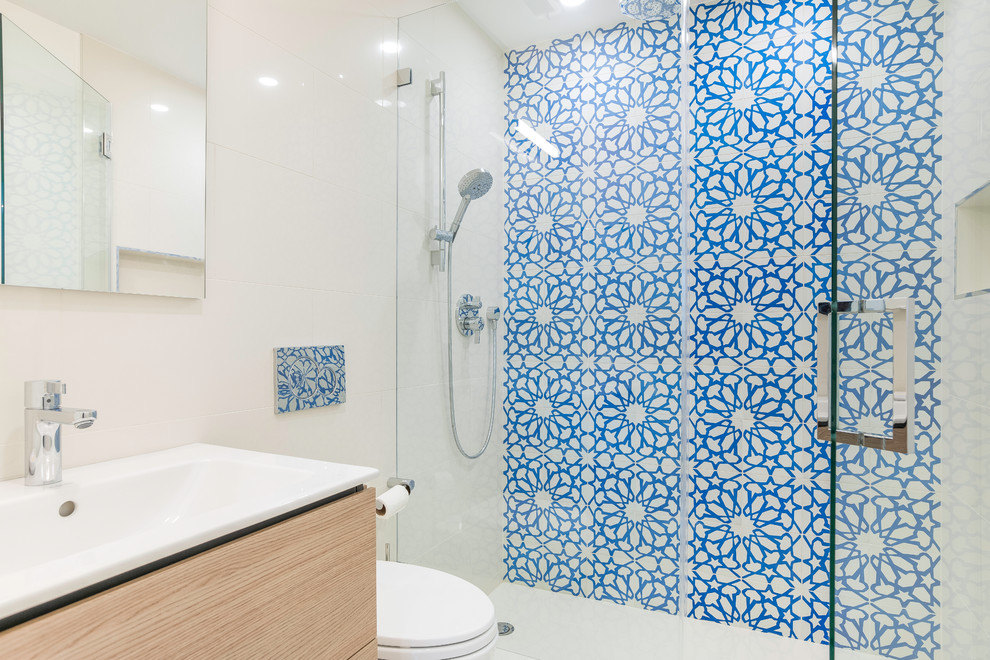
(111, 518)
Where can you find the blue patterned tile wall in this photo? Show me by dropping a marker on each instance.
(593, 316)
(613, 335)
(758, 528)
(309, 377)
(889, 246)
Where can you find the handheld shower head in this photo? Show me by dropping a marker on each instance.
(473, 185)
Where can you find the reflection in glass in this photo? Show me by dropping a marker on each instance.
(56, 214)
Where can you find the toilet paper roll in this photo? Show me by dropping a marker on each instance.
(392, 501)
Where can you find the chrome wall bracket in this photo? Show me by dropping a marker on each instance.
(438, 254)
(106, 144)
(901, 438)
(408, 484)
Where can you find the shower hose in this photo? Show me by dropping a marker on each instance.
(450, 366)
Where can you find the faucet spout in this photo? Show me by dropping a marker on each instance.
(77, 417)
(43, 420)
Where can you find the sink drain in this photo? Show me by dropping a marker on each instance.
(67, 509)
(505, 628)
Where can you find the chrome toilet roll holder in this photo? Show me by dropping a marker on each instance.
(408, 484)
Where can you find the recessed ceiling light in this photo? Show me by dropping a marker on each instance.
(267, 81)
(571, 3)
(158, 107)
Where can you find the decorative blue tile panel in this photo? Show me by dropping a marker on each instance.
(648, 10)
(309, 377)
(637, 414)
(752, 310)
(889, 237)
(755, 421)
(544, 406)
(637, 313)
(546, 224)
(593, 316)
(758, 550)
(760, 161)
(600, 303)
(886, 557)
(637, 218)
(545, 314)
(889, 191)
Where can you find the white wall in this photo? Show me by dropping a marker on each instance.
(301, 250)
(965, 470)
(60, 41)
(454, 522)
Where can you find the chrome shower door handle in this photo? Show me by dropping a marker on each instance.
(901, 438)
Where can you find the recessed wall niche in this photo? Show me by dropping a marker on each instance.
(973, 243)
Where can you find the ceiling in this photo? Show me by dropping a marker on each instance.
(168, 34)
(516, 24)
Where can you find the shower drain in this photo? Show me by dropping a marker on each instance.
(505, 628)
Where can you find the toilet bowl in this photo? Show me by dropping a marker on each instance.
(425, 614)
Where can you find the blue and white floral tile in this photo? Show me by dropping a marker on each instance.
(742, 206)
(899, 274)
(714, 21)
(543, 496)
(859, 466)
(649, 580)
(889, 54)
(889, 194)
(757, 555)
(550, 564)
(637, 313)
(309, 377)
(545, 315)
(886, 570)
(545, 223)
(871, 98)
(544, 407)
(638, 116)
(742, 97)
(753, 421)
(639, 217)
(638, 415)
(755, 311)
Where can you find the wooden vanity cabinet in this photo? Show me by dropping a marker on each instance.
(301, 588)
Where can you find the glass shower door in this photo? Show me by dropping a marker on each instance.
(882, 323)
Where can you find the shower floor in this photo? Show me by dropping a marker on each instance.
(556, 626)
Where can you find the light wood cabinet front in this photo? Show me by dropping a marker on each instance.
(304, 588)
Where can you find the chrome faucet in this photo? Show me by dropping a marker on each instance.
(43, 419)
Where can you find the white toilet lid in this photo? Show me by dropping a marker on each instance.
(419, 607)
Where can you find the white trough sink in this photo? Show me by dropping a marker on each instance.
(131, 512)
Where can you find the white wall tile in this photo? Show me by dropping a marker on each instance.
(272, 123)
(342, 38)
(348, 123)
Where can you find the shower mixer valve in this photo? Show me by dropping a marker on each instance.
(469, 321)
